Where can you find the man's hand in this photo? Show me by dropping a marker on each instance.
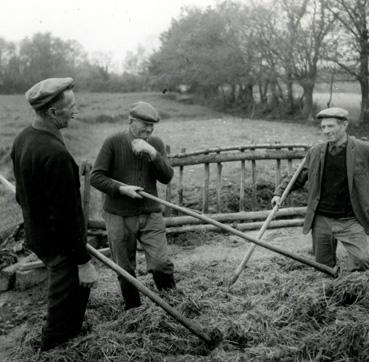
(87, 275)
(141, 146)
(130, 191)
(276, 200)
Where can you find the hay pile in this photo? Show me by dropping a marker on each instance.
(277, 311)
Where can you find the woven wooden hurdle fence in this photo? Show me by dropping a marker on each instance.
(246, 155)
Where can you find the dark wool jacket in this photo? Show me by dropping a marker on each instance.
(116, 161)
(357, 163)
(47, 189)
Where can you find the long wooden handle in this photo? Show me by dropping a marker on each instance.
(267, 221)
(314, 264)
(193, 327)
(7, 184)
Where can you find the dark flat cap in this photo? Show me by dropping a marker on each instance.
(144, 111)
(334, 112)
(43, 92)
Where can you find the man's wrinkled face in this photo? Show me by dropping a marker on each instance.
(333, 129)
(64, 110)
(141, 129)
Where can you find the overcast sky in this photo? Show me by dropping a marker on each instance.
(112, 26)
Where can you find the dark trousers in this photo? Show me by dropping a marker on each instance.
(327, 231)
(67, 301)
(149, 230)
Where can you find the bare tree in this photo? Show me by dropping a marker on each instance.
(308, 23)
(352, 45)
(265, 42)
(292, 37)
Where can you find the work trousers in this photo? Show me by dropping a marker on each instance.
(67, 301)
(327, 231)
(149, 230)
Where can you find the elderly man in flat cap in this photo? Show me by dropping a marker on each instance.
(47, 189)
(130, 161)
(337, 172)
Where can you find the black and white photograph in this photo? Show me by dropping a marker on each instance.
(184, 180)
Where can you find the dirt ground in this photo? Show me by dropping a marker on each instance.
(211, 250)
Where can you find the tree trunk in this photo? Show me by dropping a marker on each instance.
(247, 96)
(364, 114)
(274, 97)
(307, 110)
(364, 76)
(233, 96)
(224, 97)
(263, 92)
(290, 99)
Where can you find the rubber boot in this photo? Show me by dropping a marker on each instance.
(130, 295)
(164, 281)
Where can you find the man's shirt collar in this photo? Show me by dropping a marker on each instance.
(334, 149)
(44, 125)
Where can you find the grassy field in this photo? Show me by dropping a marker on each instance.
(349, 101)
(101, 114)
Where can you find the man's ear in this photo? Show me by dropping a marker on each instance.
(345, 124)
(51, 112)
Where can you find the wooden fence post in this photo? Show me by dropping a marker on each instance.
(242, 186)
(86, 172)
(168, 193)
(180, 182)
(205, 198)
(289, 199)
(290, 162)
(253, 180)
(219, 185)
(278, 172)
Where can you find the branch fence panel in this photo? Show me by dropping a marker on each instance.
(275, 146)
(233, 218)
(280, 153)
(246, 156)
(236, 156)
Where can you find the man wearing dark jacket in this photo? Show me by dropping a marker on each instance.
(47, 189)
(130, 161)
(337, 172)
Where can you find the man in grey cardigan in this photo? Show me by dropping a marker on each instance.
(130, 161)
(337, 172)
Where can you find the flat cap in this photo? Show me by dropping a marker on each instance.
(334, 112)
(144, 111)
(43, 92)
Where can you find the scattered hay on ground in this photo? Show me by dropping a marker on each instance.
(277, 311)
(350, 289)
